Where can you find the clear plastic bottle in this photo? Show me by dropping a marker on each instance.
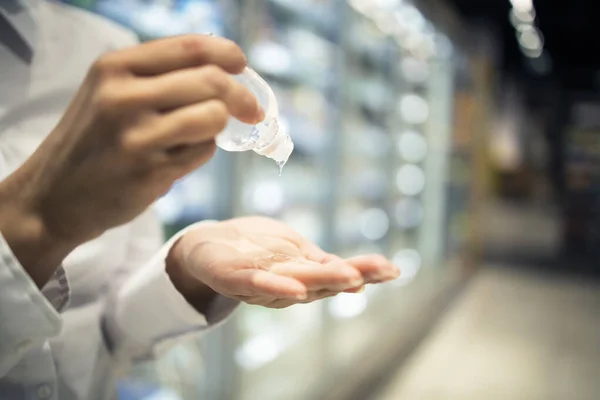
(269, 137)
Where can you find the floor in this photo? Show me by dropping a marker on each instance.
(512, 335)
(522, 232)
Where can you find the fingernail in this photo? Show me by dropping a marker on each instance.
(301, 297)
(361, 290)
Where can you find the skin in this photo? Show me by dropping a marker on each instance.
(143, 118)
(264, 262)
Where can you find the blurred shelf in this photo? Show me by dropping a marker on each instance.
(293, 57)
(153, 20)
(338, 189)
(321, 18)
(292, 78)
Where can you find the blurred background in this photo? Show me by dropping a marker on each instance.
(461, 138)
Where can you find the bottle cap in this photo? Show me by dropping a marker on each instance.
(280, 149)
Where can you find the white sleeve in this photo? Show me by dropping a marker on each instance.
(146, 314)
(27, 318)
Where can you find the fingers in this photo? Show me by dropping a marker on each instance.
(179, 52)
(184, 159)
(374, 268)
(284, 303)
(335, 276)
(190, 125)
(257, 282)
(314, 253)
(204, 113)
(355, 290)
(188, 86)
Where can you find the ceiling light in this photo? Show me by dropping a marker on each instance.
(413, 18)
(412, 147)
(530, 38)
(521, 17)
(410, 180)
(374, 223)
(541, 65)
(522, 5)
(443, 46)
(415, 71)
(414, 109)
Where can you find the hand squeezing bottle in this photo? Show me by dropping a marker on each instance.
(269, 137)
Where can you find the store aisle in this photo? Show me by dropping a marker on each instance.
(512, 335)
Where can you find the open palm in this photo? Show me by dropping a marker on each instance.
(263, 261)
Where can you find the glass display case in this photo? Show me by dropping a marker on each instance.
(394, 161)
(365, 89)
(362, 221)
(292, 45)
(461, 175)
(365, 157)
(299, 63)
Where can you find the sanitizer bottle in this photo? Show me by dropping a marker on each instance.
(268, 138)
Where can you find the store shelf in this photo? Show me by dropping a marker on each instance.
(319, 16)
(152, 20)
(337, 81)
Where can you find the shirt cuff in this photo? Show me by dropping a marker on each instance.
(57, 290)
(150, 310)
(27, 316)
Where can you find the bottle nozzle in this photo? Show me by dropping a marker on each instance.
(280, 149)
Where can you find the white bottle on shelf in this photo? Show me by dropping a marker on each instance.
(269, 137)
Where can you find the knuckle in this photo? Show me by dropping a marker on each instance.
(107, 99)
(138, 95)
(220, 115)
(113, 97)
(257, 281)
(195, 45)
(216, 79)
(103, 66)
(129, 143)
(189, 124)
(218, 110)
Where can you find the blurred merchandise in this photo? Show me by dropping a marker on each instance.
(582, 196)
(366, 91)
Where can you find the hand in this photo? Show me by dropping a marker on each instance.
(143, 118)
(262, 261)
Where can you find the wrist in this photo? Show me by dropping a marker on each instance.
(196, 292)
(38, 252)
